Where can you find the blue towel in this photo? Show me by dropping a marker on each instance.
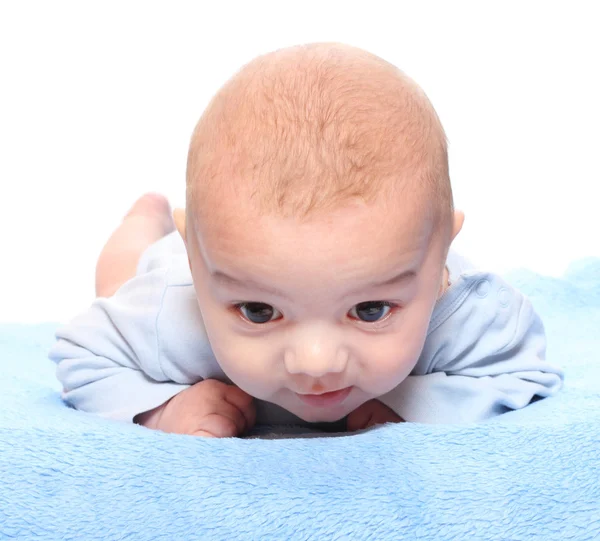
(530, 474)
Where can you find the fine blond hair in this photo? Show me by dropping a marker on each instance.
(307, 128)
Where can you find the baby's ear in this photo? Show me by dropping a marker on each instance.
(179, 218)
(459, 220)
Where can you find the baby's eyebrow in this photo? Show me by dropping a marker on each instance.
(227, 280)
(404, 276)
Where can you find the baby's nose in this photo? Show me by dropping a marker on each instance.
(316, 360)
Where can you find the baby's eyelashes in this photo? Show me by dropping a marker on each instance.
(371, 311)
(260, 313)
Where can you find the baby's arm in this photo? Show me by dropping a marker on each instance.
(473, 386)
(107, 356)
(108, 363)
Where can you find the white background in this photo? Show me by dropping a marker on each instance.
(98, 100)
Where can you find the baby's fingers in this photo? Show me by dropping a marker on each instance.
(203, 434)
(216, 425)
(244, 402)
(360, 418)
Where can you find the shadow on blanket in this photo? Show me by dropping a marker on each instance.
(529, 474)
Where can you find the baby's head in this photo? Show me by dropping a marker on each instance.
(319, 217)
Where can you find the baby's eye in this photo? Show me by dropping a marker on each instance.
(371, 311)
(258, 312)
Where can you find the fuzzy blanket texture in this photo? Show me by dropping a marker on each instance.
(527, 475)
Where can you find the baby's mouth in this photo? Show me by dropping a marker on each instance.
(324, 400)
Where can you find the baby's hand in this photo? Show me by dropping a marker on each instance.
(209, 408)
(371, 413)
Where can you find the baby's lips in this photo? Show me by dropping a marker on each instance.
(324, 400)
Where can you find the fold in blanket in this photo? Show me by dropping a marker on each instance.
(529, 474)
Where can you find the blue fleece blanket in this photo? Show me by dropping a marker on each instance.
(531, 474)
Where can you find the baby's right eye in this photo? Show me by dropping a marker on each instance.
(258, 312)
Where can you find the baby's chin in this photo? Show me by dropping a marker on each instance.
(319, 415)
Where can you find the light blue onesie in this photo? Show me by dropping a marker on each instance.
(484, 353)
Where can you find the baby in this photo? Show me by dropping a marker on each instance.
(310, 279)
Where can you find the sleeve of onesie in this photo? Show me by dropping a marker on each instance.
(490, 360)
(107, 357)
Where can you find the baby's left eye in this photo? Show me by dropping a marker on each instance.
(371, 311)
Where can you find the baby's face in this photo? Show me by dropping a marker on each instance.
(317, 316)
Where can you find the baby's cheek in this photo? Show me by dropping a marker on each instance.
(245, 363)
(387, 366)
(382, 378)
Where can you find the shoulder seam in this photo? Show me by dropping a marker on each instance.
(158, 313)
(452, 307)
(524, 302)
